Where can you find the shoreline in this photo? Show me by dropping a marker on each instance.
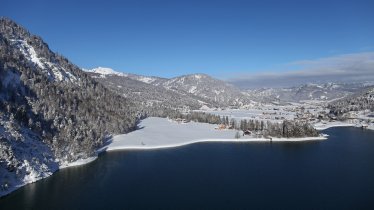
(160, 133)
(76, 163)
(79, 162)
(110, 147)
(321, 126)
(167, 146)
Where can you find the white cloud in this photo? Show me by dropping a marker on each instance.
(343, 68)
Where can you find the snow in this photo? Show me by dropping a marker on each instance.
(52, 70)
(157, 133)
(60, 73)
(205, 108)
(154, 133)
(78, 162)
(323, 97)
(30, 163)
(265, 112)
(147, 79)
(35, 175)
(106, 71)
(28, 51)
(198, 76)
(192, 89)
(217, 92)
(326, 125)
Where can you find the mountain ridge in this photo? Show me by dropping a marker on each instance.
(208, 90)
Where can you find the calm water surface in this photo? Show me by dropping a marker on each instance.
(334, 174)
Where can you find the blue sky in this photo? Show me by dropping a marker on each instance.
(220, 38)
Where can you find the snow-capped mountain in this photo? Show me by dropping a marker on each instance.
(104, 72)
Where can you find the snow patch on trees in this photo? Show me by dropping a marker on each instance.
(28, 51)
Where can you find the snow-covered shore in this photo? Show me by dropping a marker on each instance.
(158, 133)
(325, 125)
(78, 162)
(146, 147)
(34, 177)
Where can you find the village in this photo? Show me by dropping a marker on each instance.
(315, 113)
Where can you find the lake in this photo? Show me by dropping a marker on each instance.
(337, 173)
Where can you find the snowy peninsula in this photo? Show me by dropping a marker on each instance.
(156, 133)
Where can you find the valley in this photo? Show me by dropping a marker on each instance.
(54, 114)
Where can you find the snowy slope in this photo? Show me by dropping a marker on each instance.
(23, 157)
(319, 92)
(203, 89)
(208, 88)
(54, 71)
(103, 72)
(146, 95)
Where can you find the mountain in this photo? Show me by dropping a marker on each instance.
(193, 91)
(317, 92)
(51, 112)
(145, 95)
(213, 90)
(104, 72)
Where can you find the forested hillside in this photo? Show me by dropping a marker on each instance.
(45, 100)
(191, 91)
(361, 101)
(147, 96)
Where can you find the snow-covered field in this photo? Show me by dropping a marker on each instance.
(271, 113)
(158, 133)
(326, 125)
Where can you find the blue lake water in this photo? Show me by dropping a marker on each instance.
(334, 174)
